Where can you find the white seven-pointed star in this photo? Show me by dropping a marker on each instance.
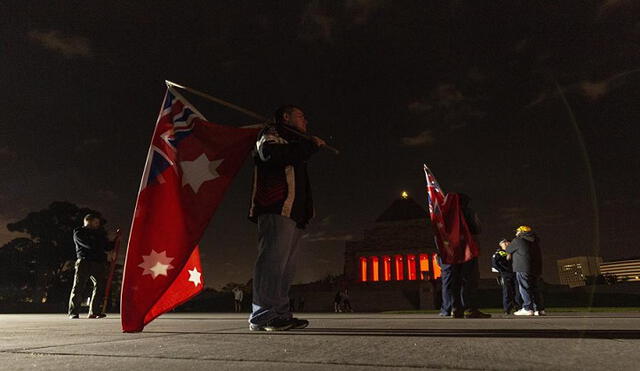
(156, 264)
(199, 171)
(194, 276)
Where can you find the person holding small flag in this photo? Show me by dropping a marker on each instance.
(92, 246)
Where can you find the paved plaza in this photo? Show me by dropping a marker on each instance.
(214, 341)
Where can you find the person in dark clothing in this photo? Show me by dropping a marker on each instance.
(527, 263)
(460, 281)
(337, 302)
(92, 245)
(501, 262)
(281, 205)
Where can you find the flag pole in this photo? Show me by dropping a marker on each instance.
(112, 268)
(243, 110)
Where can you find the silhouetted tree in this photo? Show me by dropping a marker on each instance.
(16, 270)
(42, 265)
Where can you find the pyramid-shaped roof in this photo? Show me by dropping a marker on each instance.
(403, 209)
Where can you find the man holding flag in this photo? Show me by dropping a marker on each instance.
(454, 224)
(281, 205)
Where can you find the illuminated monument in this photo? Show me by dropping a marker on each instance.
(399, 247)
(396, 255)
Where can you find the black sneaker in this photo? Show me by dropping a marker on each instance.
(299, 323)
(457, 314)
(476, 314)
(97, 315)
(279, 324)
(74, 316)
(444, 314)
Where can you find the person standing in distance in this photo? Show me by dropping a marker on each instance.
(501, 262)
(92, 245)
(238, 294)
(527, 263)
(281, 205)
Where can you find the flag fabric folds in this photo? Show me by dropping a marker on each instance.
(190, 164)
(452, 236)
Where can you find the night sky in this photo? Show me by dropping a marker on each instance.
(473, 89)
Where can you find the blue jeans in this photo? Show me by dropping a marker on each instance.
(528, 283)
(509, 301)
(460, 286)
(278, 244)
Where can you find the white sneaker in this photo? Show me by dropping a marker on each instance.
(539, 313)
(523, 312)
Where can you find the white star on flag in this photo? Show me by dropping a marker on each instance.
(199, 171)
(194, 276)
(156, 264)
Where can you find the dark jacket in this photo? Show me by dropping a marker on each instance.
(470, 215)
(526, 254)
(500, 263)
(91, 244)
(280, 180)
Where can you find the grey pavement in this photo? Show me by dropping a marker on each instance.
(354, 341)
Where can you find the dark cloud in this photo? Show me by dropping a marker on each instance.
(316, 23)
(67, 45)
(424, 138)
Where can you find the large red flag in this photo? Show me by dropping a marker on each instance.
(453, 238)
(190, 164)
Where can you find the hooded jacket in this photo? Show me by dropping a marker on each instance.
(280, 179)
(526, 254)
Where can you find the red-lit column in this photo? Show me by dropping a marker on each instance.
(363, 273)
(412, 268)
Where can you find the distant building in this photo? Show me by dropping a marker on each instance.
(394, 266)
(576, 271)
(399, 248)
(623, 270)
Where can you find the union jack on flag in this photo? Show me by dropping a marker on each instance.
(451, 234)
(175, 123)
(435, 195)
